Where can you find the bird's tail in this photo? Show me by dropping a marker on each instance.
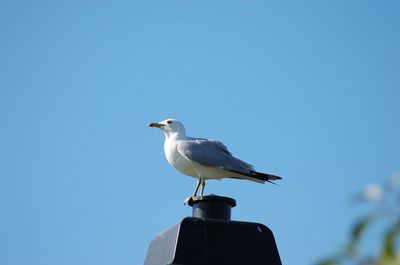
(257, 176)
(264, 176)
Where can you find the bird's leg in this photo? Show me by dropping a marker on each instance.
(203, 185)
(197, 187)
(188, 199)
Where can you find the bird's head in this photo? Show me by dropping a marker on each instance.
(170, 127)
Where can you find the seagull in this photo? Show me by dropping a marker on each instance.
(203, 158)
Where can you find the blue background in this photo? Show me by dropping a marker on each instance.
(305, 89)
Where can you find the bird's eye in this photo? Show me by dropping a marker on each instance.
(169, 122)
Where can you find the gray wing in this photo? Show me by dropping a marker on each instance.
(212, 154)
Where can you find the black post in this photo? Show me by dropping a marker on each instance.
(210, 237)
(212, 206)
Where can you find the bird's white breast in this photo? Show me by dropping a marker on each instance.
(177, 160)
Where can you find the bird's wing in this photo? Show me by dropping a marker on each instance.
(212, 154)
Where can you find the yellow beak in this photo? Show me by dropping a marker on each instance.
(155, 124)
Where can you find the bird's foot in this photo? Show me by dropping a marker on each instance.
(188, 200)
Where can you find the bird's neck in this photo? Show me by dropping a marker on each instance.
(176, 136)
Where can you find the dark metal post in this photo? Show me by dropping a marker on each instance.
(212, 206)
(211, 238)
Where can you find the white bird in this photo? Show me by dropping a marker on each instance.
(203, 158)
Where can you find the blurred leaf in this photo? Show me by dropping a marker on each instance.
(329, 261)
(388, 261)
(390, 249)
(351, 249)
(389, 243)
(360, 227)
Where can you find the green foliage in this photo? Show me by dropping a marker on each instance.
(329, 261)
(384, 208)
(358, 230)
(360, 227)
(389, 254)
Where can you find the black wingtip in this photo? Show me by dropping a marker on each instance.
(264, 176)
(258, 176)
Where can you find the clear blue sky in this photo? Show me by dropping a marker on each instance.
(306, 89)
